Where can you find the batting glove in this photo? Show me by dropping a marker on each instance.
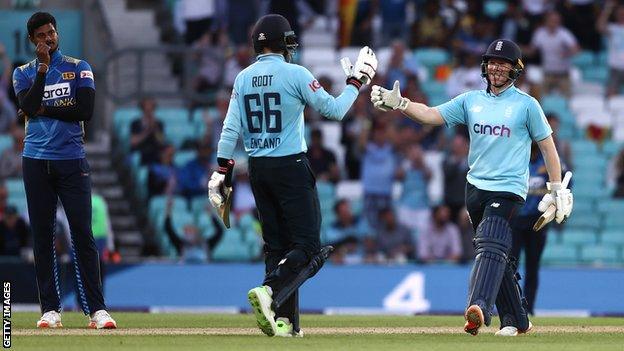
(561, 198)
(364, 70)
(214, 189)
(386, 100)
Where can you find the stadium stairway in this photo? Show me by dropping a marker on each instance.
(105, 181)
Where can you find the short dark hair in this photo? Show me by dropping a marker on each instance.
(39, 19)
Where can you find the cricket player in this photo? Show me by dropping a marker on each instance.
(266, 108)
(56, 93)
(502, 121)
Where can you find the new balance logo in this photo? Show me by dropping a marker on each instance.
(476, 109)
(495, 204)
(487, 129)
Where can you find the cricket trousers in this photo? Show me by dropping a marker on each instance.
(288, 206)
(46, 182)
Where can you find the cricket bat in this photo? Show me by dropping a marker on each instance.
(227, 191)
(550, 212)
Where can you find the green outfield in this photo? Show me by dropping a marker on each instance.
(142, 331)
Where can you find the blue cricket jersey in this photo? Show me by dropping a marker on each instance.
(501, 129)
(537, 186)
(266, 108)
(48, 138)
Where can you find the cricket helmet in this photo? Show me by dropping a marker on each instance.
(506, 50)
(274, 32)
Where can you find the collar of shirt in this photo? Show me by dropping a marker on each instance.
(505, 92)
(271, 57)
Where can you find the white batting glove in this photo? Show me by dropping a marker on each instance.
(561, 198)
(365, 66)
(386, 100)
(214, 189)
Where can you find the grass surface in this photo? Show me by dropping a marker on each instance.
(140, 331)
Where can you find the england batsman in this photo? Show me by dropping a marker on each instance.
(56, 93)
(266, 108)
(502, 121)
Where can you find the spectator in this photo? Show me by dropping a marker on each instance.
(467, 235)
(243, 201)
(474, 37)
(402, 64)
(199, 17)
(556, 46)
(322, 160)
(614, 31)
(346, 225)
(210, 59)
(163, 174)
(455, 169)
(346, 234)
(191, 247)
(146, 133)
(580, 17)
(11, 159)
(394, 240)
(441, 241)
(379, 169)
(215, 123)
(236, 63)
(7, 107)
(564, 148)
(193, 177)
(355, 23)
(430, 29)
(618, 174)
(14, 233)
(393, 20)
(355, 128)
(242, 15)
(4, 194)
(465, 76)
(413, 210)
(515, 25)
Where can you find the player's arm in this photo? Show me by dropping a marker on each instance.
(29, 97)
(386, 100)
(551, 158)
(336, 108)
(82, 109)
(602, 25)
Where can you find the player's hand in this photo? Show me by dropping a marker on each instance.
(559, 196)
(214, 189)
(364, 69)
(386, 100)
(43, 53)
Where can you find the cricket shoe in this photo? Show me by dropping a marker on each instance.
(50, 319)
(102, 320)
(285, 329)
(260, 299)
(474, 319)
(513, 331)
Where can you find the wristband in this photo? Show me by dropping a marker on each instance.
(44, 64)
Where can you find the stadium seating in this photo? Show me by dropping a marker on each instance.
(559, 254)
(600, 254)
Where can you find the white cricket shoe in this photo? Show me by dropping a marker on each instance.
(285, 329)
(102, 320)
(513, 331)
(260, 299)
(50, 319)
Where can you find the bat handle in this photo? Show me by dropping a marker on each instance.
(228, 175)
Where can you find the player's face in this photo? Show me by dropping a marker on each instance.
(46, 34)
(498, 72)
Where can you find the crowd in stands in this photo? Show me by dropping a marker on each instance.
(411, 178)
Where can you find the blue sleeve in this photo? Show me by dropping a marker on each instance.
(453, 112)
(539, 129)
(231, 128)
(314, 95)
(84, 75)
(20, 81)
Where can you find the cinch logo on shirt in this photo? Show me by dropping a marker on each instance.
(492, 130)
(55, 91)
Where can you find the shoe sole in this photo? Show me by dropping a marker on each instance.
(107, 325)
(474, 320)
(46, 325)
(263, 322)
